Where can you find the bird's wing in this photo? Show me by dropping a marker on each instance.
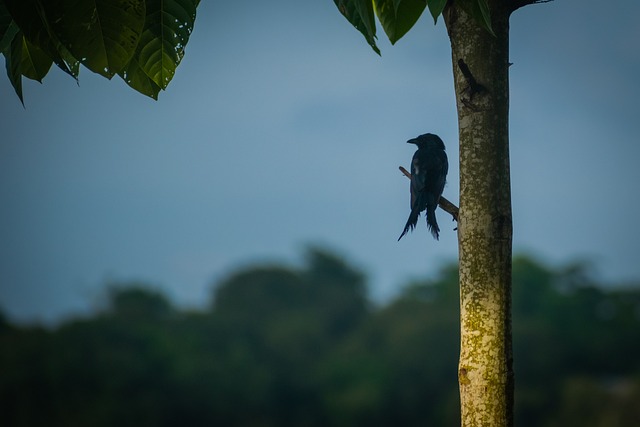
(436, 166)
(418, 176)
(419, 170)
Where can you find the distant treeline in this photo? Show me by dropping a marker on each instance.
(282, 346)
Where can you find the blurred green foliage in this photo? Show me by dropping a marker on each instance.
(284, 346)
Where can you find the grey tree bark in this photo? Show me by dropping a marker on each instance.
(481, 67)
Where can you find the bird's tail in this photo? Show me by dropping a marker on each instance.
(432, 224)
(411, 222)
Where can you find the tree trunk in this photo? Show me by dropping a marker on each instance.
(480, 68)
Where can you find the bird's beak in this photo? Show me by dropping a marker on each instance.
(411, 141)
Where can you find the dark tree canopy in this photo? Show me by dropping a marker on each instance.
(274, 350)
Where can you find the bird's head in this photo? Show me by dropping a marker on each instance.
(428, 140)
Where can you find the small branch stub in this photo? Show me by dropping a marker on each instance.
(473, 87)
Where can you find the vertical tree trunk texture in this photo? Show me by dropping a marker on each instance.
(480, 67)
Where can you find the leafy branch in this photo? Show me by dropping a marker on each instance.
(397, 17)
(142, 41)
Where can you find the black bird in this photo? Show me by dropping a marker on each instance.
(429, 168)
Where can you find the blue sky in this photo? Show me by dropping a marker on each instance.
(282, 128)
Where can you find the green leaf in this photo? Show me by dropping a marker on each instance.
(60, 54)
(13, 59)
(137, 79)
(102, 34)
(479, 10)
(34, 64)
(7, 26)
(398, 16)
(166, 32)
(485, 15)
(360, 14)
(69, 64)
(30, 16)
(436, 7)
(7, 34)
(25, 14)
